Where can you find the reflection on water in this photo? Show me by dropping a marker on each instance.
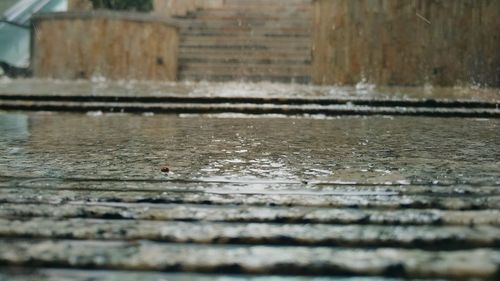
(343, 150)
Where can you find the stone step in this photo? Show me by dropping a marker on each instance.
(276, 14)
(245, 31)
(249, 42)
(263, 56)
(245, 39)
(235, 45)
(266, 2)
(250, 10)
(242, 70)
(280, 13)
(281, 78)
(235, 23)
(240, 59)
(237, 31)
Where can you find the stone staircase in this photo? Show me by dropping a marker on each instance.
(251, 40)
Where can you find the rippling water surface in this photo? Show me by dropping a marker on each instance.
(238, 148)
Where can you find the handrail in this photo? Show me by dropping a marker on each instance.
(17, 13)
(15, 24)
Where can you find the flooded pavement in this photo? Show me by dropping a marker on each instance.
(303, 154)
(115, 196)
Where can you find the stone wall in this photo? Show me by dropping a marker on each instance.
(82, 45)
(396, 42)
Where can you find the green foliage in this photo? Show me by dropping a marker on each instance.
(124, 5)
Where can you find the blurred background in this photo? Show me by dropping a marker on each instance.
(330, 42)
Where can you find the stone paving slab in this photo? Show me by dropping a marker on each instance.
(143, 255)
(423, 237)
(107, 275)
(9, 195)
(268, 187)
(250, 214)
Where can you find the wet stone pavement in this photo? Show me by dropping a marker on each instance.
(247, 197)
(99, 95)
